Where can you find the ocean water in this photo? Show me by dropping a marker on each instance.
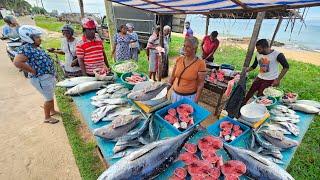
(302, 37)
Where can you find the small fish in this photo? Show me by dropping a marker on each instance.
(119, 111)
(294, 129)
(100, 97)
(136, 132)
(276, 127)
(117, 101)
(124, 153)
(275, 153)
(99, 113)
(272, 133)
(122, 145)
(123, 120)
(120, 93)
(101, 92)
(114, 88)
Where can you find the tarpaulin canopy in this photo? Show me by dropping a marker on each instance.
(207, 6)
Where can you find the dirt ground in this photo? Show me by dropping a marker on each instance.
(29, 148)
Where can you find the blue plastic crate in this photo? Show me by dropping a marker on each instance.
(214, 130)
(199, 114)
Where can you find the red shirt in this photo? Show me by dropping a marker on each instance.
(92, 54)
(209, 45)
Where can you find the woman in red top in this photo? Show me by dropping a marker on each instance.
(209, 46)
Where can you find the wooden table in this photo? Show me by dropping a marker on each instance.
(219, 88)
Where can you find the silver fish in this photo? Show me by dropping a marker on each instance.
(119, 111)
(275, 160)
(118, 127)
(101, 92)
(117, 101)
(283, 142)
(305, 108)
(85, 87)
(294, 129)
(114, 88)
(315, 104)
(263, 143)
(148, 161)
(124, 153)
(136, 132)
(100, 97)
(274, 153)
(70, 82)
(120, 146)
(276, 127)
(120, 93)
(258, 167)
(148, 93)
(99, 113)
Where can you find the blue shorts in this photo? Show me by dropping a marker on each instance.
(45, 84)
(176, 97)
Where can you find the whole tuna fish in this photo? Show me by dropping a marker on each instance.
(258, 167)
(279, 141)
(75, 81)
(315, 104)
(148, 161)
(119, 127)
(100, 112)
(85, 87)
(148, 92)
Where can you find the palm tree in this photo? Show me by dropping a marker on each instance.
(81, 8)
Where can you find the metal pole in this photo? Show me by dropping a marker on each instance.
(276, 31)
(207, 24)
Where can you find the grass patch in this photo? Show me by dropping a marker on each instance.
(52, 24)
(89, 164)
(302, 78)
(1, 22)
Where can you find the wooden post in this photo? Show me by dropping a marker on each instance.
(207, 24)
(162, 60)
(253, 39)
(276, 31)
(110, 21)
(81, 8)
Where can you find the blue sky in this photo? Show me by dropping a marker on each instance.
(98, 7)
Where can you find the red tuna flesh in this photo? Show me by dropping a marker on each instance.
(191, 148)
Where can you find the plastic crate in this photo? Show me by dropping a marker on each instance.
(199, 114)
(214, 129)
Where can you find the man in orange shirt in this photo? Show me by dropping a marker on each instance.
(209, 46)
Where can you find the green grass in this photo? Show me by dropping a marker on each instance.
(51, 24)
(302, 78)
(1, 22)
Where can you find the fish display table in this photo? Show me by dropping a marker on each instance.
(85, 108)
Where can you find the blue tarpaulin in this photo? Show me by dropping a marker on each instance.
(85, 108)
(207, 6)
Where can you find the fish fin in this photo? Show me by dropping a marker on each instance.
(263, 161)
(143, 152)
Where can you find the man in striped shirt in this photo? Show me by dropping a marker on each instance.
(90, 51)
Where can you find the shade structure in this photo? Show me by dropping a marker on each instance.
(209, 6)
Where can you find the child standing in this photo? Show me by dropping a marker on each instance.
(152, 53)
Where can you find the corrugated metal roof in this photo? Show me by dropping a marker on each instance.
(207, 6)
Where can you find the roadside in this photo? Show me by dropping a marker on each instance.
(29, 148)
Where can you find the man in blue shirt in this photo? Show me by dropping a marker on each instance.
(11, 29)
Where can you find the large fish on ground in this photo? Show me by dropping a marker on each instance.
(85, 87)
(148, 161)
(258, 167)
(119, 127)
(70, 82)
(305, 108)
(148, 92)
(315, 104)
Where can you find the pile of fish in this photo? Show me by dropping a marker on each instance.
(79, 85)
(148, 92)
(125, 67)
(258, 167)
(148, 161)
(135, 78)
(229, 131)
(180, 117)
(208, 165)
(270, 140)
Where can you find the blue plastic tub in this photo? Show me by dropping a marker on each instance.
(199, 114)
(214, 130)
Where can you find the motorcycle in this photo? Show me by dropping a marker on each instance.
(12, 47)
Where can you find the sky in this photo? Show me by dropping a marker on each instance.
(97, 6)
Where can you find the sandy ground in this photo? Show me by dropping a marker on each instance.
(305, 56)
(29, 148)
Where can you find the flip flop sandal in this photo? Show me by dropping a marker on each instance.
(51, 121)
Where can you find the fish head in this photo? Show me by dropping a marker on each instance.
(99, 132)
